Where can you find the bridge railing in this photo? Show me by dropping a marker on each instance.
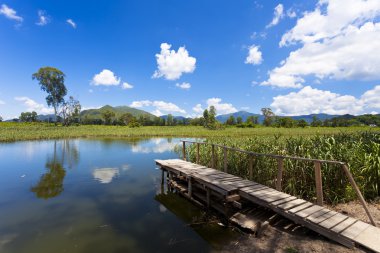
(280, 168)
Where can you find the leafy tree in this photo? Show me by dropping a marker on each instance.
(316, 122)
(125, 118)
(52, 81)
(1, 119)
(268, 116)
(231, 121)
(170, 120)
(252, 119)
(134, 123)
(239, 120)
(302, 123)
(211, 117)
(70, 111)
(205, 117)
(108, 116)
(28, 117)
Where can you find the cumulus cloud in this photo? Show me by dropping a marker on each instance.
(277, 15)
(32, 105)
(221, 108)
(43, 18)
(10, 13)
(171, 64)
(184, 86)
(198, 108)
(105, 77)
(160, 106)
(105, 175)
(71, 23)
(337, 41)
(254, 56)
(126, 86)
(309, 100)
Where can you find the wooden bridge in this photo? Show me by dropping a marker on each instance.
(219, 190)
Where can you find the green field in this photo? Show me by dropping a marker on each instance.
(35, 131)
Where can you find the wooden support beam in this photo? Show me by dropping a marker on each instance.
(250, 167)
(184, 150)
(280, 168)
(198, 153)
(189, 187)
(213, 156)
(360, 196)
(208, 200)
(162, 176)
(225, 159)
(318, 183)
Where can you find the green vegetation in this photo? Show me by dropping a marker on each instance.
(360, 150)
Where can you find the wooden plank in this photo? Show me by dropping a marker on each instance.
(370, 238)
(333, 221)
(254, 188)
(307, 212)
(355, 229)
(300, 207)
(291, 204)
(320, 216)
(282, 201)
(343, 225)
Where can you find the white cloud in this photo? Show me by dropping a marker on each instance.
(2, 102)
(43, 18)
(159, 106)
(10, 13)
(198, 108)
(171, 64)
(32, 105)
(184, 86)
(126, 86)
(338, 40)
(291, 13)
(72, 23)
(157, 113)
(221, 108)
(309, 100)
(105, 77)
(371, 98)
(254, 55)
(277, 15)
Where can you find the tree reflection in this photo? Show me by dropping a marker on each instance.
(50, 184)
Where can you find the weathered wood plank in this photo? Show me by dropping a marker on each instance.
(370, 238)
(343, 225)
(333, 221)
(300, 207)
(320, 216)
(291, 204)
(282, 201)
(307, 212)
(355, 229)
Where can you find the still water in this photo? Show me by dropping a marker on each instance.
(96, 196)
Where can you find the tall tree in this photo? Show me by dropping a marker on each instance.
(239, 120)
(28, 117)
(70, 111)
(107, 116)
(52, 81)
(170, 120)
(268, 116)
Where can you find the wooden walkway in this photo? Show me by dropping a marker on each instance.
(335, 226)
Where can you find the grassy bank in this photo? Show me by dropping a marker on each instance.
(34, 131)
(360, 150)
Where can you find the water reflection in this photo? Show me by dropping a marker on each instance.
(159, 145)
(50, 184)
(105, 175)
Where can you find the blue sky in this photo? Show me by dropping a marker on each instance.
(179, 57)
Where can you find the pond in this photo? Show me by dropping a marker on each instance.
(100, 195)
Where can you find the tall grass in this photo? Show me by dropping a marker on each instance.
(361, 151)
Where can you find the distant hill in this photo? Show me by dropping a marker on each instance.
(118, 110)
(223, 118)
(179, 118)
(308, 118)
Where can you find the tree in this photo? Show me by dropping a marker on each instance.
(316, 122)
(125, 118)
(28, 117)
(1, 119)
(170, 120)
(268, 116)
(205, 117)
(211, 117)
(239, 120)
(302, 123)
(52, 81)
(107, 116)
(70, 111)
(231, 120)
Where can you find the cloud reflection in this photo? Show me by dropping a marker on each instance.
(105, 175)
(156, 146)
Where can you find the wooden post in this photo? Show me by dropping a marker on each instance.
(250, 166)
(318, 183)
(212, 156)
(184, 150)
(356, 188)
(225, 158)
(189, 187)
(162, 176)
(198, 153)
(280, 167)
